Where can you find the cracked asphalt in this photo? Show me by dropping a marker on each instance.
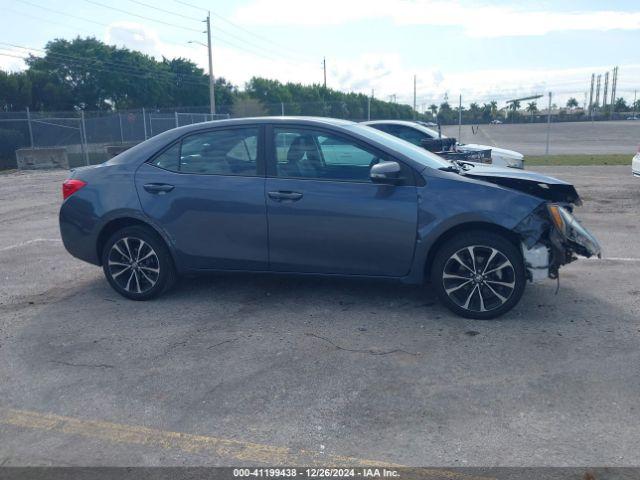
(255, 369)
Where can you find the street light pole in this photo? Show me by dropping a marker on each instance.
(324, 69)
(212, 97)
(546, 150)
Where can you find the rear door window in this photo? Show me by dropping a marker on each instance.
(217, 152)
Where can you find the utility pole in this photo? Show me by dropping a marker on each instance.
(212, 96)
(460, 119)
(324, 68)
(546, 151)
(414, 97)
(635, 95)
(31, 128)
(598, 92)
(604, 93)
(614, 87)
(593, 79)
(369, 105)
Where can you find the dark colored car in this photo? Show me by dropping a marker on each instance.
(317, 196)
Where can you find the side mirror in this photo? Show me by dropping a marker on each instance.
(386, 172)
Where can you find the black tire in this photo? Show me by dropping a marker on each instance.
(477, 288)
(137, 263)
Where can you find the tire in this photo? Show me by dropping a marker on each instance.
(483, 288)
(137, 263)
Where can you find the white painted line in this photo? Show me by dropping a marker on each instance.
(616, 259)
(29, 242)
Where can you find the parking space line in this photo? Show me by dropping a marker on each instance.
(29, 242)
(187, 442)
(616, 259)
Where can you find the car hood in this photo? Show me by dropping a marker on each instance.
(536, 184)
(500, 151)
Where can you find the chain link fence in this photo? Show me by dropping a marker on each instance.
(86, 134)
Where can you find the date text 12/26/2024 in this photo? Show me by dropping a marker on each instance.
(315, 472)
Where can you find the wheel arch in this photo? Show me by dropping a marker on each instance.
(119, 223)
(475, 226)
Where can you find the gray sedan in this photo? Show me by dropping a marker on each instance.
(318, 196)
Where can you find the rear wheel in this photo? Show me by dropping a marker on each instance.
(137, 263)
(479, 275)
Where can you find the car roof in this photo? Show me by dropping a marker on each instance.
(319, 121)
(142, 151)
(408, 123)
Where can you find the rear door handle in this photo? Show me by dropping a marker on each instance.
(158, 188)
(284, 195)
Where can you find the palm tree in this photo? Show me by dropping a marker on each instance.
(494, 109)
(474, 111)
(532, 108)
(434, 109)
(515, 105)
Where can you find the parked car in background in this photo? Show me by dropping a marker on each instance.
(417, 134)
(633, 118)
(318, 196)
(635, 164)
(496, 122)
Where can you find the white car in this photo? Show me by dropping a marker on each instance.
(635, 164)
(416, 133)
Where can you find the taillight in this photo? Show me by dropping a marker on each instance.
(71, 186)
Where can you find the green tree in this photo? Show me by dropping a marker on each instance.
(474, 112)
(572, 103)
(532, 108)
(15, 91)
(620, 105)
(514, 106)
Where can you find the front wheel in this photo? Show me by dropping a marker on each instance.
(478, 275)
(137, 263)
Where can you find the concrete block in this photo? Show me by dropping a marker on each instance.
(113, 150)
(42, 158)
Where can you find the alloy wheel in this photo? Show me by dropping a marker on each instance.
(479, 278)
(133, 264)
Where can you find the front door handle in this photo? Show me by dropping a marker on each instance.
(158, 188)
(285, 195)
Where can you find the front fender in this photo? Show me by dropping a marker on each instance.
(449, 202)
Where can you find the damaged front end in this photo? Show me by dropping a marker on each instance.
(552, 237)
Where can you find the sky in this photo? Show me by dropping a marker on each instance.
(480, 49)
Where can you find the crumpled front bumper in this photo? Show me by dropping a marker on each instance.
(546, 248)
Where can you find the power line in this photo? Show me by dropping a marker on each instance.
(170, 12)
(34, 17)
(70, 16)
(191, 5)
(124, 66)
(251, 50)
(10, 55)
(116, 9)
(149, 75)
(239, 27)
(27, 2)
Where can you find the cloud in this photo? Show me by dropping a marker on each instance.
(236, 65)
(385, 73)
(477, 20)
(11, 58)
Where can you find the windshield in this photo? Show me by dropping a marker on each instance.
(429, 131)
(417, 154)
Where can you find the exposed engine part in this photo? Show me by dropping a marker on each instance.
(536, 261)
